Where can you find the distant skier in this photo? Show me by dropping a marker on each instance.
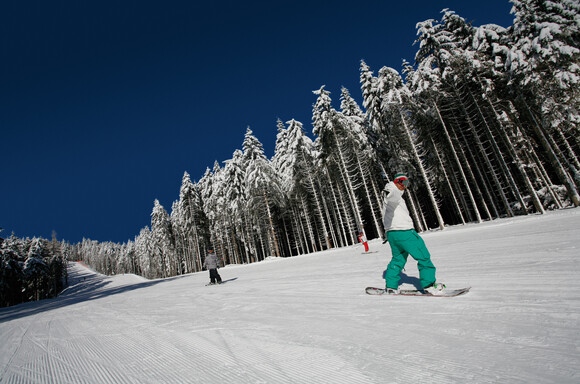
(362, 238)
(404, 240)
(211, 263)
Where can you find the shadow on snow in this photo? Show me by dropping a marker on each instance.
(406, 279)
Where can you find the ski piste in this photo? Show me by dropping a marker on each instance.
(416, 292)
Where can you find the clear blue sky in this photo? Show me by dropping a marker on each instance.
(105, 104)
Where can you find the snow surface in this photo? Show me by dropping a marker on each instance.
(307, 319)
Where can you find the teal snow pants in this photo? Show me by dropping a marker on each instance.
(403, 244)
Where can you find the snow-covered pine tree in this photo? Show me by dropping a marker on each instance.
(280, 164)
(543, 63)
(449, 46)
(214, 205)
(372, 103)
(11, 271)
(365, 158)
(193, 223)
(429, 93)
(144, 253)
(332, 144)
(128, 261)
(262, 191)
(163, 242)
(239, 234)
(182, 258)
(295, 162)
(402, 138)
(36, 272)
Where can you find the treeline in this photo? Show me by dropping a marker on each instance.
(31, 269)
(485, 123)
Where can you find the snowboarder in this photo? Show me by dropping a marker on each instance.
(362, 239)
(211, 263)
(404, 240)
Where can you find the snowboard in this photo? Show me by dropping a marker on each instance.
(416, 292)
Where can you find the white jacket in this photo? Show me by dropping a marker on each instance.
(395, 213)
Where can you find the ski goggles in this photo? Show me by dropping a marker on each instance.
(403, 182)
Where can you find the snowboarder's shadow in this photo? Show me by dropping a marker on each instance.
(406, 279)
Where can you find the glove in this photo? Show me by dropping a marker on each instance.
(385, 194)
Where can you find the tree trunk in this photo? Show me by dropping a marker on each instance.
(459, 166)
(564, 177)
(423, 172)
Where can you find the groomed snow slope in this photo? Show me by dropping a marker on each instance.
(307, 319)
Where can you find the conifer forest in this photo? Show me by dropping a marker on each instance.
(485, 123)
